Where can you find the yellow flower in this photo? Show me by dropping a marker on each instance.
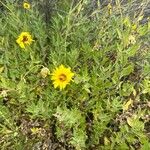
(24, 39)
(44, 72)
(61, 76)
(26, 5)
(35, 130)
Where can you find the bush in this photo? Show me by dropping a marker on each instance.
(106, 106)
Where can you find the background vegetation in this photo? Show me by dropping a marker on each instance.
(106, 107)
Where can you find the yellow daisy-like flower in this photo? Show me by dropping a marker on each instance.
(26, 5)
(24, 39)
(61, 76)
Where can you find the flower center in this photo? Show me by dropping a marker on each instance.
(62, 77)
(25, 39)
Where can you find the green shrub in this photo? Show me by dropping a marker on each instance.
(105, 107)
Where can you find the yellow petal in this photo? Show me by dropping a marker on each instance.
(59, 72)
(35, 130)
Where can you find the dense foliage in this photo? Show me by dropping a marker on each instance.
(106, 106)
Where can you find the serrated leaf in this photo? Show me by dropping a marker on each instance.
(69, 117)
(78, 139)
(135, 123)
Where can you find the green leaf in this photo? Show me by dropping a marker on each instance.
(145, 145)
(41, 109)
(1, 69)
(127, 70)
(143, 30)
(6, 116)
(69, 117)
(132, 50)
(127, 89)
(78, 139)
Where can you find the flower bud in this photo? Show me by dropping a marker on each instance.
(44, 72)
